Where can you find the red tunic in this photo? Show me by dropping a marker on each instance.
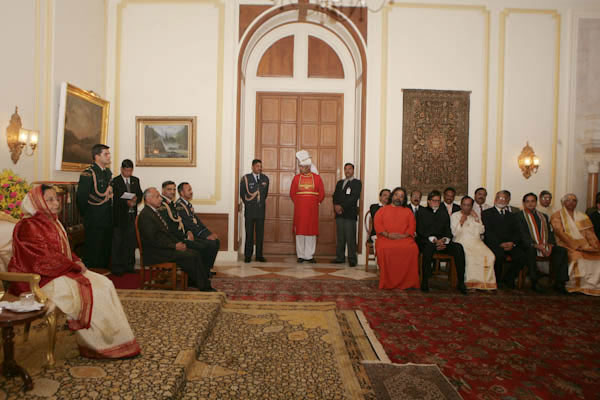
(398, 259)
(307, 192)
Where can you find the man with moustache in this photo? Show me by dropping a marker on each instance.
(254, 189)
(480, 205)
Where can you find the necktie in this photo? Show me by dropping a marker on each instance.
(128, 185)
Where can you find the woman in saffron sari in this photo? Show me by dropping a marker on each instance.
(575, 232)
(89, 300)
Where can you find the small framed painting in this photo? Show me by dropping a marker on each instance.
(82, 123)
(165, 141)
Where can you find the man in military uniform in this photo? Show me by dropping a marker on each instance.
(168, 211)
(202, 235)
(94, 200)
(254, 189)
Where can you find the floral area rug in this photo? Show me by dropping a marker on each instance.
(505, 345)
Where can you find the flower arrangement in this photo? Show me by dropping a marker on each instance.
(12, 192)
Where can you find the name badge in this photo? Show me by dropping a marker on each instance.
(348, 190)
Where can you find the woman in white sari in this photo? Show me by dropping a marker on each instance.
(93, 309)
(479, 259)
(575, 232)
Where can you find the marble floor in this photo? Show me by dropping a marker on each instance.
(287, 267)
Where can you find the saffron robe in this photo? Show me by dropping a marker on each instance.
(307, 192)
(398, 259)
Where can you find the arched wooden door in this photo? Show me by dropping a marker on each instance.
(285, 124)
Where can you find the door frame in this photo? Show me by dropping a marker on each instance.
(348, 33)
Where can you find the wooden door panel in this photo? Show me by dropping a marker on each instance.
(328, 160)
(310, 136)
(288, 123)
(288, 135)
(269, 158)
(271, 208)
(287, 158)
(286, 208)
(329, 111)
(270, 109)
(270, 132)
(289, 110)
(328, 135)
(310, 110)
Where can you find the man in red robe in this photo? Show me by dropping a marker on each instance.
(397, 252)
(307, 192)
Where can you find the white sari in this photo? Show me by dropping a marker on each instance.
(479, 259)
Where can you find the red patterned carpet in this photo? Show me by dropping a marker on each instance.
(511, 345)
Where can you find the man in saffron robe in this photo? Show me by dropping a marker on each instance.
(307, 192)
(397, 252)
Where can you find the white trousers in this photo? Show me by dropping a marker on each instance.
(305, 246)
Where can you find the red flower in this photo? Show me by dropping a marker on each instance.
(6, 185)
(18, 203)
(1, 197)
(11, 206)
(13, 195)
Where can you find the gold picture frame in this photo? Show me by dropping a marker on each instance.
(82, 123)
(165, 141)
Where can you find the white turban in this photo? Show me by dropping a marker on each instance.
(304, 159)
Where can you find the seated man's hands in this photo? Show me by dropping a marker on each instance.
(440, 244)
(180, 246)
(212, 236)
(507, 246)
(82, 265)
(190, 235)
(338, 209)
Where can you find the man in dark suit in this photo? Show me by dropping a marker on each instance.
(594, 214)
(512, 209)
(124, 213)
(254, 189)
(449, 205)
(384, 197)
(503, 237)
(94, 201)
(415, 201)
(161, 246)
(538, 240)
(434, 235)
(345, 200)
(202, 236)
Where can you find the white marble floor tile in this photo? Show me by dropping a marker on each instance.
(242, 271)
(300, 273)
(353, 273)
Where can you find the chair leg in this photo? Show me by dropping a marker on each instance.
(26, 332)
(142, 277)
(51, 319)
(185, 280)
(420, 268)
(453, 274)
(174, 277)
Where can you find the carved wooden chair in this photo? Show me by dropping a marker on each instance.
(51, 315)
(160, 276)
(439, 258)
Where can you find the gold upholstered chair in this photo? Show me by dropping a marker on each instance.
(51, 314)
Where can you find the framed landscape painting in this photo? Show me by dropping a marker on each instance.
(82, 123)
(166, 141)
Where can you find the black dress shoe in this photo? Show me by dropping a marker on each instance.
(247, 259)
(353, 263)
(208, 289)
(261, 259)
(336, 261)
(463, 289)
(301, 260)
(312, 261)
(561, 289)
(118, 273)
(536, 288)
(425, 287)
(212, 273)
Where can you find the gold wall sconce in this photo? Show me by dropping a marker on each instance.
(528, 161)
(18, 138)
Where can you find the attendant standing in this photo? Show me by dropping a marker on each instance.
(254, 189)
(538, 240)
(479, 259)
(503, 237)
(449, 205)
(480, 205)
(434, 236)
(94, 201)
(415, 201)
(384, 200)
(124, 241)
(397, 252)
(307, 192)
(345, 200)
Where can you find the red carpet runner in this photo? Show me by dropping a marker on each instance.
(510, 345)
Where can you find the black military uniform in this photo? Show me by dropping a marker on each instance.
(193, 224)
(254, 194)
(95, 205)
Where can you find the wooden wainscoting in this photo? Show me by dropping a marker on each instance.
(219, 224)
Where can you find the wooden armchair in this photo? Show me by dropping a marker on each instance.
(437, 259)
(51, 315)
(369, 245)
(158, 272)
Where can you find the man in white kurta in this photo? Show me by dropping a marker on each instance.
(479, 259)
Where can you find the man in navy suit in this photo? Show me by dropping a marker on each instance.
(345, 200)
(124, 213)
(254, 189)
